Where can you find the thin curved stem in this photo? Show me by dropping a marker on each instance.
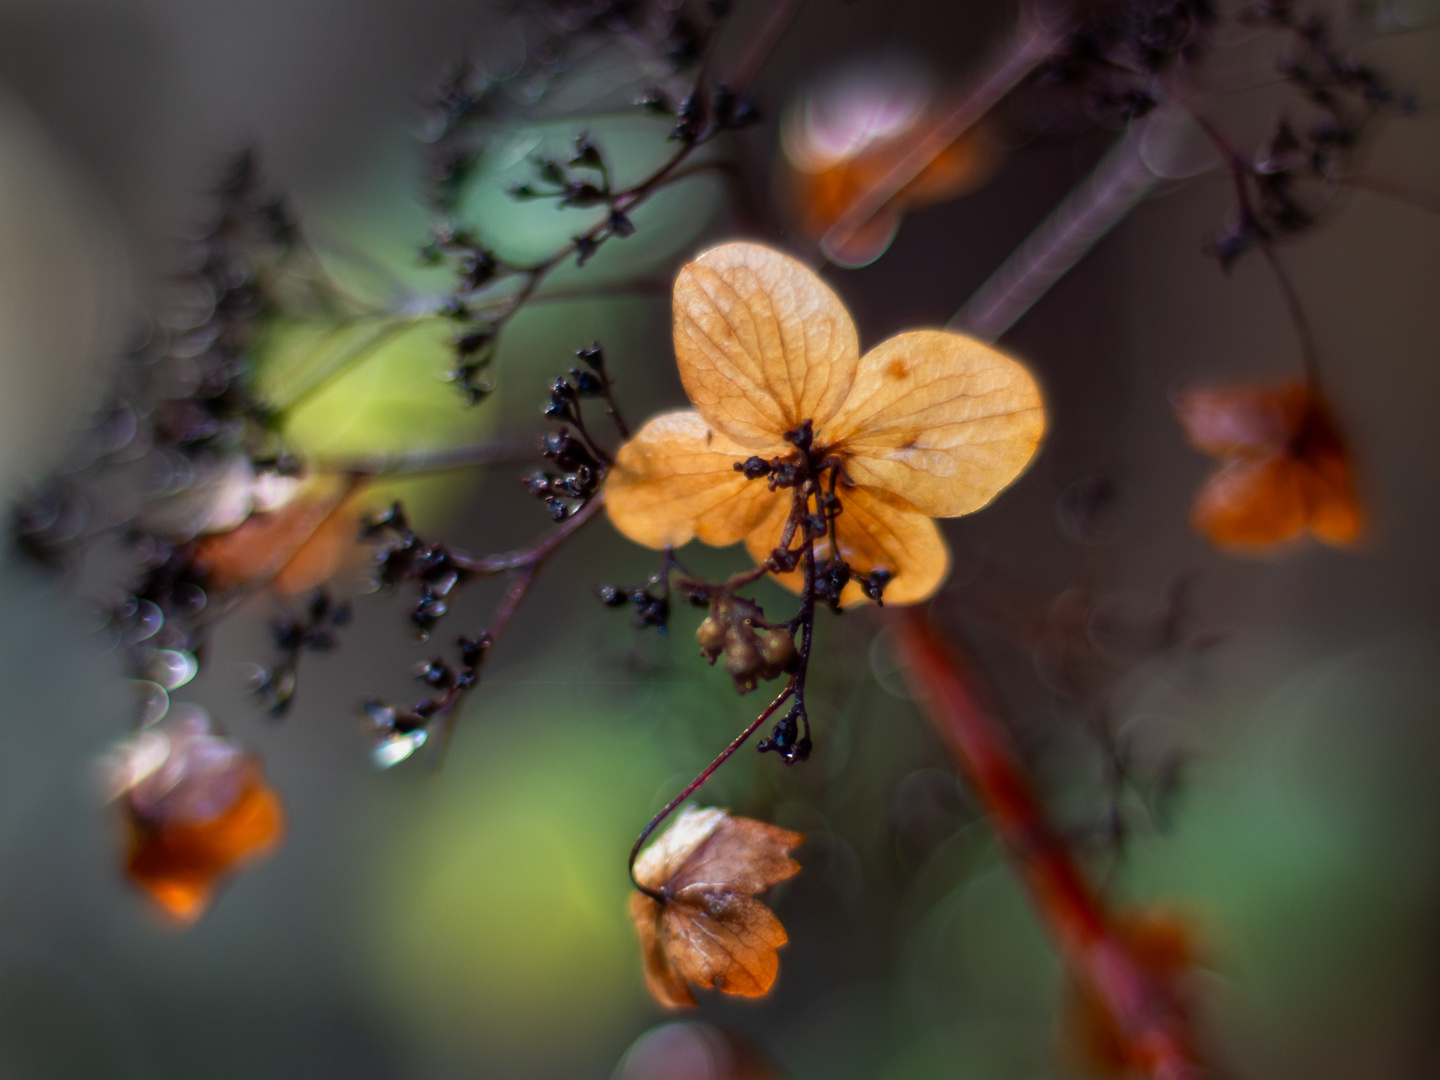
(690, 788)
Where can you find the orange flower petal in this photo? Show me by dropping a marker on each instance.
(181, 864)
(1253, 420)
(1252, 503)
(1335, 514)
(875, 531)
(722, 939)
(676, 480)
(939, 419)
(1286, 467)
(666, 985)
(292, 549)
(761, 342)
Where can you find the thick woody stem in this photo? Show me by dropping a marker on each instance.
(1144, 1006)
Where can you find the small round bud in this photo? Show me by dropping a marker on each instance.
(710, 636)
(742, 657)
(777, 651)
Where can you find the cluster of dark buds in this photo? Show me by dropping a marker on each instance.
(571, 448)
(790, 737)
(403, 556)
(1117, 49)
(313, 629)
(1342, 95)
(582, 182)
(475, 266)
(182, 437)
(699, 115)
(651, 602)
(399, 732)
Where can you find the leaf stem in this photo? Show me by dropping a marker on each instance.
(705, 774)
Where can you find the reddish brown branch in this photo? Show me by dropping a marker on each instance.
(1144, 1006)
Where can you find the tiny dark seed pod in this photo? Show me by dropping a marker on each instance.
(710, 636)
(777, 651)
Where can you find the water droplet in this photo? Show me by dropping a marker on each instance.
(154, 701)
(146, 623)
(189, 598)
(381, 714)
(172, 669)
(396, 748)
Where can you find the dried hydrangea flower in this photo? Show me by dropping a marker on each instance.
(1286, 468)
(844, 138)
(707, 927)
(197, 808)
(928, 424)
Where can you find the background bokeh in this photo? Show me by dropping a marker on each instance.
(471, 923)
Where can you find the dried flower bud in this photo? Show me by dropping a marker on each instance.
(710, 636)
(742, 657)
(777, 651)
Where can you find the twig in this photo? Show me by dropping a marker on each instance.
(694, 785)
(764, 43)
(1146, 1010)
(1101, 201)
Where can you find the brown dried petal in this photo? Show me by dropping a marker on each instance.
(710, 930)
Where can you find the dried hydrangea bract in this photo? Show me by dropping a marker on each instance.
(928, 424)
(1285, 468)
(844, 138)
(707, 928)
(292, 548)
(197, 809)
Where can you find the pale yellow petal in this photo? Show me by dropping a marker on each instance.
(940, 419)
(875, 531)
(676, 480)
(762, 343)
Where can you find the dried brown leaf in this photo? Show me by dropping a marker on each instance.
(707, 928)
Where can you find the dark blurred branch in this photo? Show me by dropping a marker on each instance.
(763, 44)
(1145, 1007)
(1101, 201)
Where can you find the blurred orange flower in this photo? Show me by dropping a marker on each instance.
(1285, 467)
(197, 808)
(928, 424)
(844, 138)
(710, 929)
(292, 548)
